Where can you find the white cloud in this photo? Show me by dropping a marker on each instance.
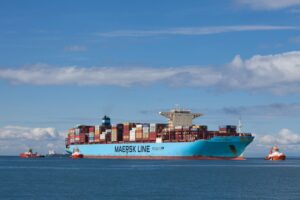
(268, 4)
(45, 75)
(193, 30)
(16, 139)
(75, 48)
(284, 137)
(279, 73)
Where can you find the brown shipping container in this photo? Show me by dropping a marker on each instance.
(138, 134)
(125, 138)
(98, 131)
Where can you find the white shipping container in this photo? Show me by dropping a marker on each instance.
(77, 139)
(97, 127)
(132, 135)
(178, 127)
(152, 129)
(77, 131)
(139, 126)
(102, 136)
(158, 140)
(108, 131)
(145, 129)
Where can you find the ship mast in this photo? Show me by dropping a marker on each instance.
(240, 125)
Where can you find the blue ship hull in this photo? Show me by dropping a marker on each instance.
(226, 147)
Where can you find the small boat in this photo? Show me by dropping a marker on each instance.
(53, 154)
(274, 154)
(76, 154)
(30, 154)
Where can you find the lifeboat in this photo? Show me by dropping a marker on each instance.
(76, 154)
(29, 154)
(274, 154)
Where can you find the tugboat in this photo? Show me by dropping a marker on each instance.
(76, 154)
(30, 154)
(274, 154)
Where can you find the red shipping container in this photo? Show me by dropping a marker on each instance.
(152, 136)
(126, 129)
(178, 136)
(91, 129)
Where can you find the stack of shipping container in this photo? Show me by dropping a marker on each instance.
(227, 129)
(137, 132)
(117, 132)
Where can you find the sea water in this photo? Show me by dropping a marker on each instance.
(65, 178)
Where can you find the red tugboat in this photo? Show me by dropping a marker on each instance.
(274, 154)
(76, 154)
(29, 154)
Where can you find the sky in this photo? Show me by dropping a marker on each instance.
(64, 63)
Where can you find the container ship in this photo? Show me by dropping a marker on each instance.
(177, 139)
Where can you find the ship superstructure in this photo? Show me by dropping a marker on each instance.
(180, 117)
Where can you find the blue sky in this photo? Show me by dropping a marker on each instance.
(68, 62)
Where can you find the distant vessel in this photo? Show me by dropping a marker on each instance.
(179, 139)
(274, 154)
(30, 154)
(52, 153)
